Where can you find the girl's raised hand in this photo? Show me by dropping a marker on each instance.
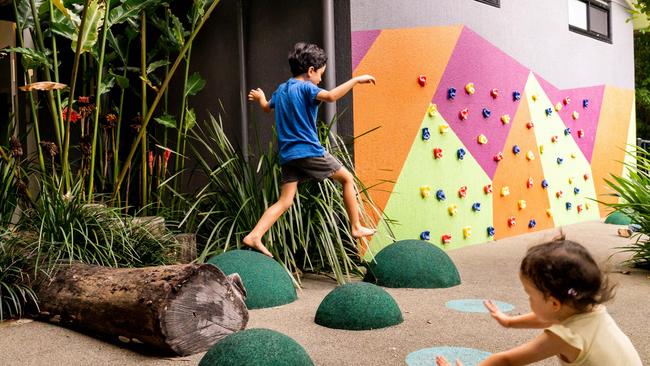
(441, 361)
(497, 314)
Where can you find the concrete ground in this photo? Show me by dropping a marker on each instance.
(487, 271)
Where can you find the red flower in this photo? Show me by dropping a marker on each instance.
(74, 116)
(151, 161)
(166, 155)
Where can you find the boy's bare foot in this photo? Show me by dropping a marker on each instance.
(256, 243)
(362, 232)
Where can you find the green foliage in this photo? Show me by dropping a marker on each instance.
(313, 235)
(15, 292)
(642, 81)
(634, 192)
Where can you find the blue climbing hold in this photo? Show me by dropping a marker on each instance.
(490, 231)
(451, 93)
(425, 235)
(460, 153)
(532, 223)
(576, 190)
(560, 161)
(476, 206)
(549, 111)
(425, 133)
(516, 150)
(544, 183)
(486, 113)
(568, 205)
(567, 131)
(440, 195)
(585, 103)
(516, 96)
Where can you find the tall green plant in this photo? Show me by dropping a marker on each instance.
(15, 290)
(634, 193)
(313, 235)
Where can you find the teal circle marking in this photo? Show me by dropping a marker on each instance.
(427, 356)
(476, 305)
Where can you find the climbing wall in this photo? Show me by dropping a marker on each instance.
(467, 145)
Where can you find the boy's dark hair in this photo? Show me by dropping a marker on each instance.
(565, 270)
(305, 55)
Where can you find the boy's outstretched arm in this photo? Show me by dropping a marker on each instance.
(257, 95)
(338, 92)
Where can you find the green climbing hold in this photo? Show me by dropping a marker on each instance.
(260, 347)
(413, 264)
(358, 306)
(267, 283)
(618, 218)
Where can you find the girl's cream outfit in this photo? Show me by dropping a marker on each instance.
(600, 341)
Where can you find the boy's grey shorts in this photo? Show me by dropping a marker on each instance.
(305, 169)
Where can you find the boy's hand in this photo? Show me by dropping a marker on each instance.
(497, 314)
(441, 361)
(256, 95)
(365, 79)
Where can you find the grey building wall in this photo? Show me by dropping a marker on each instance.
(535, 32)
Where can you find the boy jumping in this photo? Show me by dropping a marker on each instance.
(301, 155)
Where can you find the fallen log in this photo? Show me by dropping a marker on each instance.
(181, 309)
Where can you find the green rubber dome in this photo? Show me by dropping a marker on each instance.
(358, 306)
(267, 283)
(618, 218)
(413, 264)
(259, 347)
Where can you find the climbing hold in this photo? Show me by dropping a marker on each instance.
(554, 138)
(570, 180)
(575, 115)
(443, 128)
(512, 221)
(549, 212)
(425, 191)
(567, 131)
(494, 93)
(573, 155)
(585, 103)
(437, 153)
(422, 80)
(579, 208)
(533, 97)
(425, 133)
(530, 155)
(568, 205)
(566, 100)
(516, 150)
(581, 133)
(463, 114)
(505, 119)
(530, 182)
(487, 189)
(558, 106)
(469, 88)
(559, 194)
(476, 206)
(482, 139)
(576, 190)
(521, 204)
(490, 230)
(440, 195)
(532, 223)
(516, 96)
(549, 111)
(486, 113)
(453, 209)
(505, 191)
(432, 110)
(446, 239)
(560, 161)
(498, 156)
(460, 153)
(425, 235)
(530, 125)
(585, 176)
(587, 205)
(544, 183)
(462, 192)
(451, 93)
(541, 149)
(467, 232)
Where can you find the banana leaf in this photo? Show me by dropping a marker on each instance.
(94, 21)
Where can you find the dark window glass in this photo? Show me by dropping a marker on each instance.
(591, 18)
(598, 19)
(495, 3)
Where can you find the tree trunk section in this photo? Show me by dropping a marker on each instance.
(182, 309)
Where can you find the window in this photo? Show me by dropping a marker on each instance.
(591, 18)
(495, 3)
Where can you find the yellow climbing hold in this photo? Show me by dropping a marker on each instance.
(452, 210)
(443, 128)
(467, 232)
(505, 191)
(521, 204)
(425, 191)
(433, 109)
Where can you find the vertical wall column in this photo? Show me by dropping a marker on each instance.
(330, 71)
(242, 79)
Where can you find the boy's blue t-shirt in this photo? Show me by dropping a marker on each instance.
(296, 108)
